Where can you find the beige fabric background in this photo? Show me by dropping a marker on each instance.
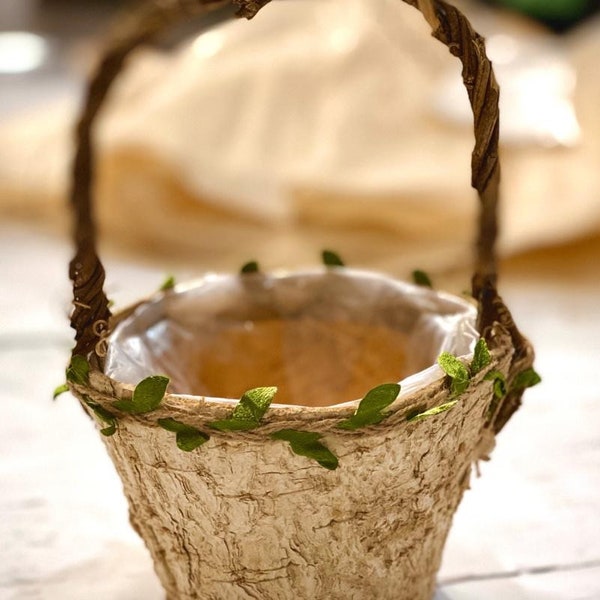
(170, 183)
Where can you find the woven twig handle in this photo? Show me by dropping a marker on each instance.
(91, 314)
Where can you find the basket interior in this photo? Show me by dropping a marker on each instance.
(321, 338)
(313, 362)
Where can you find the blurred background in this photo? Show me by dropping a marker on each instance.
(294, 156)
(323, 123)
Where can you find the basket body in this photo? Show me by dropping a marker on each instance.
(244, 517)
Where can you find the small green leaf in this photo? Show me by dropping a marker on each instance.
(61, 389)
(190, 440)
(78, 371)
(369, 411)
(525, 379)
(168, 284)
(103, 415)
(421, 278)
(481, 357)
(249, 410)
(455, 369)
(147, 396)
(110, 430)
(187, 438)
(331, 259)
(254, 403)
(432, 411)
(499, 383)
(250, 267)
(306, 443)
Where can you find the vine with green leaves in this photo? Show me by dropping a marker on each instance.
(249, 412)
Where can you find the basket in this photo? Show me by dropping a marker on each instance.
(297, 502)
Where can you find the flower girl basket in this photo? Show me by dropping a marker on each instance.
(298, 501)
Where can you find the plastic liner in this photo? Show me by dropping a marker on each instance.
(322, 337)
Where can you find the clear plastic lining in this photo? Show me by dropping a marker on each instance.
(322, 337)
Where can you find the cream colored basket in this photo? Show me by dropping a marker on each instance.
(299, 502)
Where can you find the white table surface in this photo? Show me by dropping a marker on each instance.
(529, 529)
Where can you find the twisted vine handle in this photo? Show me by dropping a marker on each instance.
(91, 314)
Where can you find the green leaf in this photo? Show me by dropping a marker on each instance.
(331, 259)
(481, 357)
(147, 396)
(188, 438)
(525, 379)
(254, 403)
(421, 278)
(61, 389)
(306, 443)
(110, 430)
(168, 284)
(250, 267)
(369, 411)
(103, 415)
(78, 371)
(249, 410)
(432, 411)
(499, 383)
(455, 369)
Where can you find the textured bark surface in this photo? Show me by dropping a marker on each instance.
(242, 517)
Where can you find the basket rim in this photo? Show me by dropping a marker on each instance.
(198, 411)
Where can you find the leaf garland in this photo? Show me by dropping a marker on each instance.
(249, 411)
(103, 415)
(457, 371)
(78, 371)
(460, 376)
(147, 396)
(421, 278)
(436, 410)
(250, 267)
(332, 259)
(306, 443)
(369, 411)
(168, 284)
(498, 382)
(525, 379)
(254, 404)
(481, 357)
(59, 390)
(188, 438)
